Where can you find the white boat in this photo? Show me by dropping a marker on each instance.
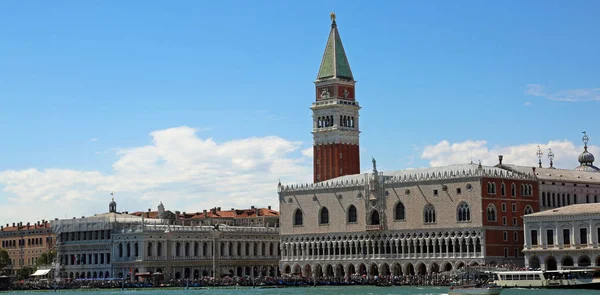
(587, 278)
(475, 290)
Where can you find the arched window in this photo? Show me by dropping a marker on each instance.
(513, 190)
(463, 212)
(352, 214)
(528, 209)
(523, 192)
(491, 188)
(374, 217)
(543, 199)
(324, 216)
(120, 250)
(503, 189)
(298, 217)
(399, 212)
(491, 213)
(429, 214)
(158, 249)
(149, 252)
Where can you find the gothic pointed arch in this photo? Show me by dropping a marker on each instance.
(374, 218)
(463, 212)
(429, 214)
(298, 218)
(528, 209)
(352, 215)
(399, 211)
(491, 213)
(324, 216)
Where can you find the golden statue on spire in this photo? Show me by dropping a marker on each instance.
(332, 16)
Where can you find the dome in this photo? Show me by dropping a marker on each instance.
(586, 157)
(112, 206)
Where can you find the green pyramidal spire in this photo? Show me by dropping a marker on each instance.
(335, 63)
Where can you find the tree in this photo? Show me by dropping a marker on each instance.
(46, 258)
(24, 273)
(4, 260)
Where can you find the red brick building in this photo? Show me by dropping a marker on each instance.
(505, 202)
(335, 114)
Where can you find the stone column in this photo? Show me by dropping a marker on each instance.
(216, 253)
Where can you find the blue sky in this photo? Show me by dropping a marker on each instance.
(84, 84)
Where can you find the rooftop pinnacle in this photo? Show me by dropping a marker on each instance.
(334, 63)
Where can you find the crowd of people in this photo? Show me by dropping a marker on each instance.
(434, 279)
(257, 282)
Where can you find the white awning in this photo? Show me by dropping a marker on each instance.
(41, 272)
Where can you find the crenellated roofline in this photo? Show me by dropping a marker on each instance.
(406, 177)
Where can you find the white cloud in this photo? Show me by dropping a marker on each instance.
(308, 152)
(185, 172)
(571, 95)
(446, 153)
(93, 139)
(527, 103)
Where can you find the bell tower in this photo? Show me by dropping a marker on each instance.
(335, 114)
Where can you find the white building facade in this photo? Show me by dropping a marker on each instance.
(563, 237)
(117, 245)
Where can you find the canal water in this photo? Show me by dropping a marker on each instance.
(346, 290)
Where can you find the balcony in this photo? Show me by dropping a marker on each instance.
(374, 227)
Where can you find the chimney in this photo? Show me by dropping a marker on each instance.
(14, 224)
(177, 213)
(1, 227)
(500, 159)
(533, 170)
(149, 210)
(204, 212)
(218, 208)
(148, 214)
(43, 220)
(232, 209)
(252, 207)
(269, 207)
(183, 212)
(214, 210)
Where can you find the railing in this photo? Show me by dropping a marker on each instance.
(375, 227)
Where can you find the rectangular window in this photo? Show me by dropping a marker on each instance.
(514, 221)
(503, 207)
(583, 236)
(458, 191)
(516, 252)
(435, 192)
(514, 207)
(505, 252)
(534, 237)
(566, 236)
(505, 236)
(504, 220)
(516, 236)
(549, 237)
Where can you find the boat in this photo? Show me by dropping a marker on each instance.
(473, 282)
(580, 278)
(474, 289)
